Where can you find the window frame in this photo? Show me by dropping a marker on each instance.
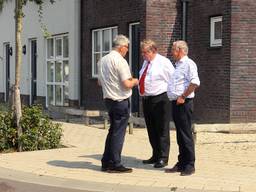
(213, 41)
(53, 60)
(101, 51)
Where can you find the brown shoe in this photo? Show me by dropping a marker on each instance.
(119, 169)
(187, 171)
(174, 169)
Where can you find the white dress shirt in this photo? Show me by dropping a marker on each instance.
(158, 74)
(184, 74)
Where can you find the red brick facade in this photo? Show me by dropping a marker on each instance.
(163, 23)
(243, 61)
(212, 103)
(227, 73)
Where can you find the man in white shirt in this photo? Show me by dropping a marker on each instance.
(181, 92)
(117, 83)
(155, 74)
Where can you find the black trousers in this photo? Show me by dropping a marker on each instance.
(182, 117)
(157, 114)
(118, 115)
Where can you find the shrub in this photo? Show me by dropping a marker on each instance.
(39, 132)
(4, 107)
(8, 134)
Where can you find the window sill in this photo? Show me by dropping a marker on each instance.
(215, 47)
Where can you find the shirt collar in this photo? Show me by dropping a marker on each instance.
(151, 62)
(115, 52)
(182, 60)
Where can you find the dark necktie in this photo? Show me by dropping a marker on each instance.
(142, 79)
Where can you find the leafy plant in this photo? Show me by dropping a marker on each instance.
(4, 107)
(18, 17)
(8, 133)
(39, 132)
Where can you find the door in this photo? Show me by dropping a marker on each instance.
(7, 54)
(33, 64)
(134, 59)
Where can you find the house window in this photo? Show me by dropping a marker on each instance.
(57, 78)
(216, 31)
(101, 45)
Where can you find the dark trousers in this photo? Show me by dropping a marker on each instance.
(182, 117)
(157, 114)
(118, 115)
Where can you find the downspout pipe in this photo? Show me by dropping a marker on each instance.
(184, 19)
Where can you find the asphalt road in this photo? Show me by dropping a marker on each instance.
(16, 186)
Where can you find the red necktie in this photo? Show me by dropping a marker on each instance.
(142, 79)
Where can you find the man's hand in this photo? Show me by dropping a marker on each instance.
(130, 83)
(191, 88)
(135, 81)
(180, 100)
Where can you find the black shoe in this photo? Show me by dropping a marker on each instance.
(119, 169)
(106, 166)
(187, 171)
(174, 169)
(161, 163)
(104, 169)
(149, 161)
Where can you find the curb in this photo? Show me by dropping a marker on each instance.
(24, 177)
(234, 128)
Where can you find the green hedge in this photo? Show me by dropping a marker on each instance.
(39, 132)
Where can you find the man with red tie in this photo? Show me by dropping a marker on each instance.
(154, 76)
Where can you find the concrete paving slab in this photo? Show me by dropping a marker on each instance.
(225, 162)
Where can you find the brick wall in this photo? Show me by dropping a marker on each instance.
(243, 61)
(228, 76)
(212, 102)
(163, 23)
(99, 14)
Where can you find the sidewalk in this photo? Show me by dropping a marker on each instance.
(225, 162)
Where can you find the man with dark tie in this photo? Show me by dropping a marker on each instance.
(181, 91)
(154, 76)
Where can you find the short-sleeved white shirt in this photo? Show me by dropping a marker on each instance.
(113, 70)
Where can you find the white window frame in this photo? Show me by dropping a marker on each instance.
(53, 59)
(213, 41)
(94, 73)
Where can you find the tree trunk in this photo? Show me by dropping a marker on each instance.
(18, 58)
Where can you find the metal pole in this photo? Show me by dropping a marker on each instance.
(184, 19)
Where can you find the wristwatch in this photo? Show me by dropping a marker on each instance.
(183, 96)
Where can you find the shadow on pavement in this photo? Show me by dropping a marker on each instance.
(74, 164)
(132, 162)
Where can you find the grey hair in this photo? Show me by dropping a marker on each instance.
(120, 40)
(149, 45)
(181, 45)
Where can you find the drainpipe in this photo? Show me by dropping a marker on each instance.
(184, 19)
